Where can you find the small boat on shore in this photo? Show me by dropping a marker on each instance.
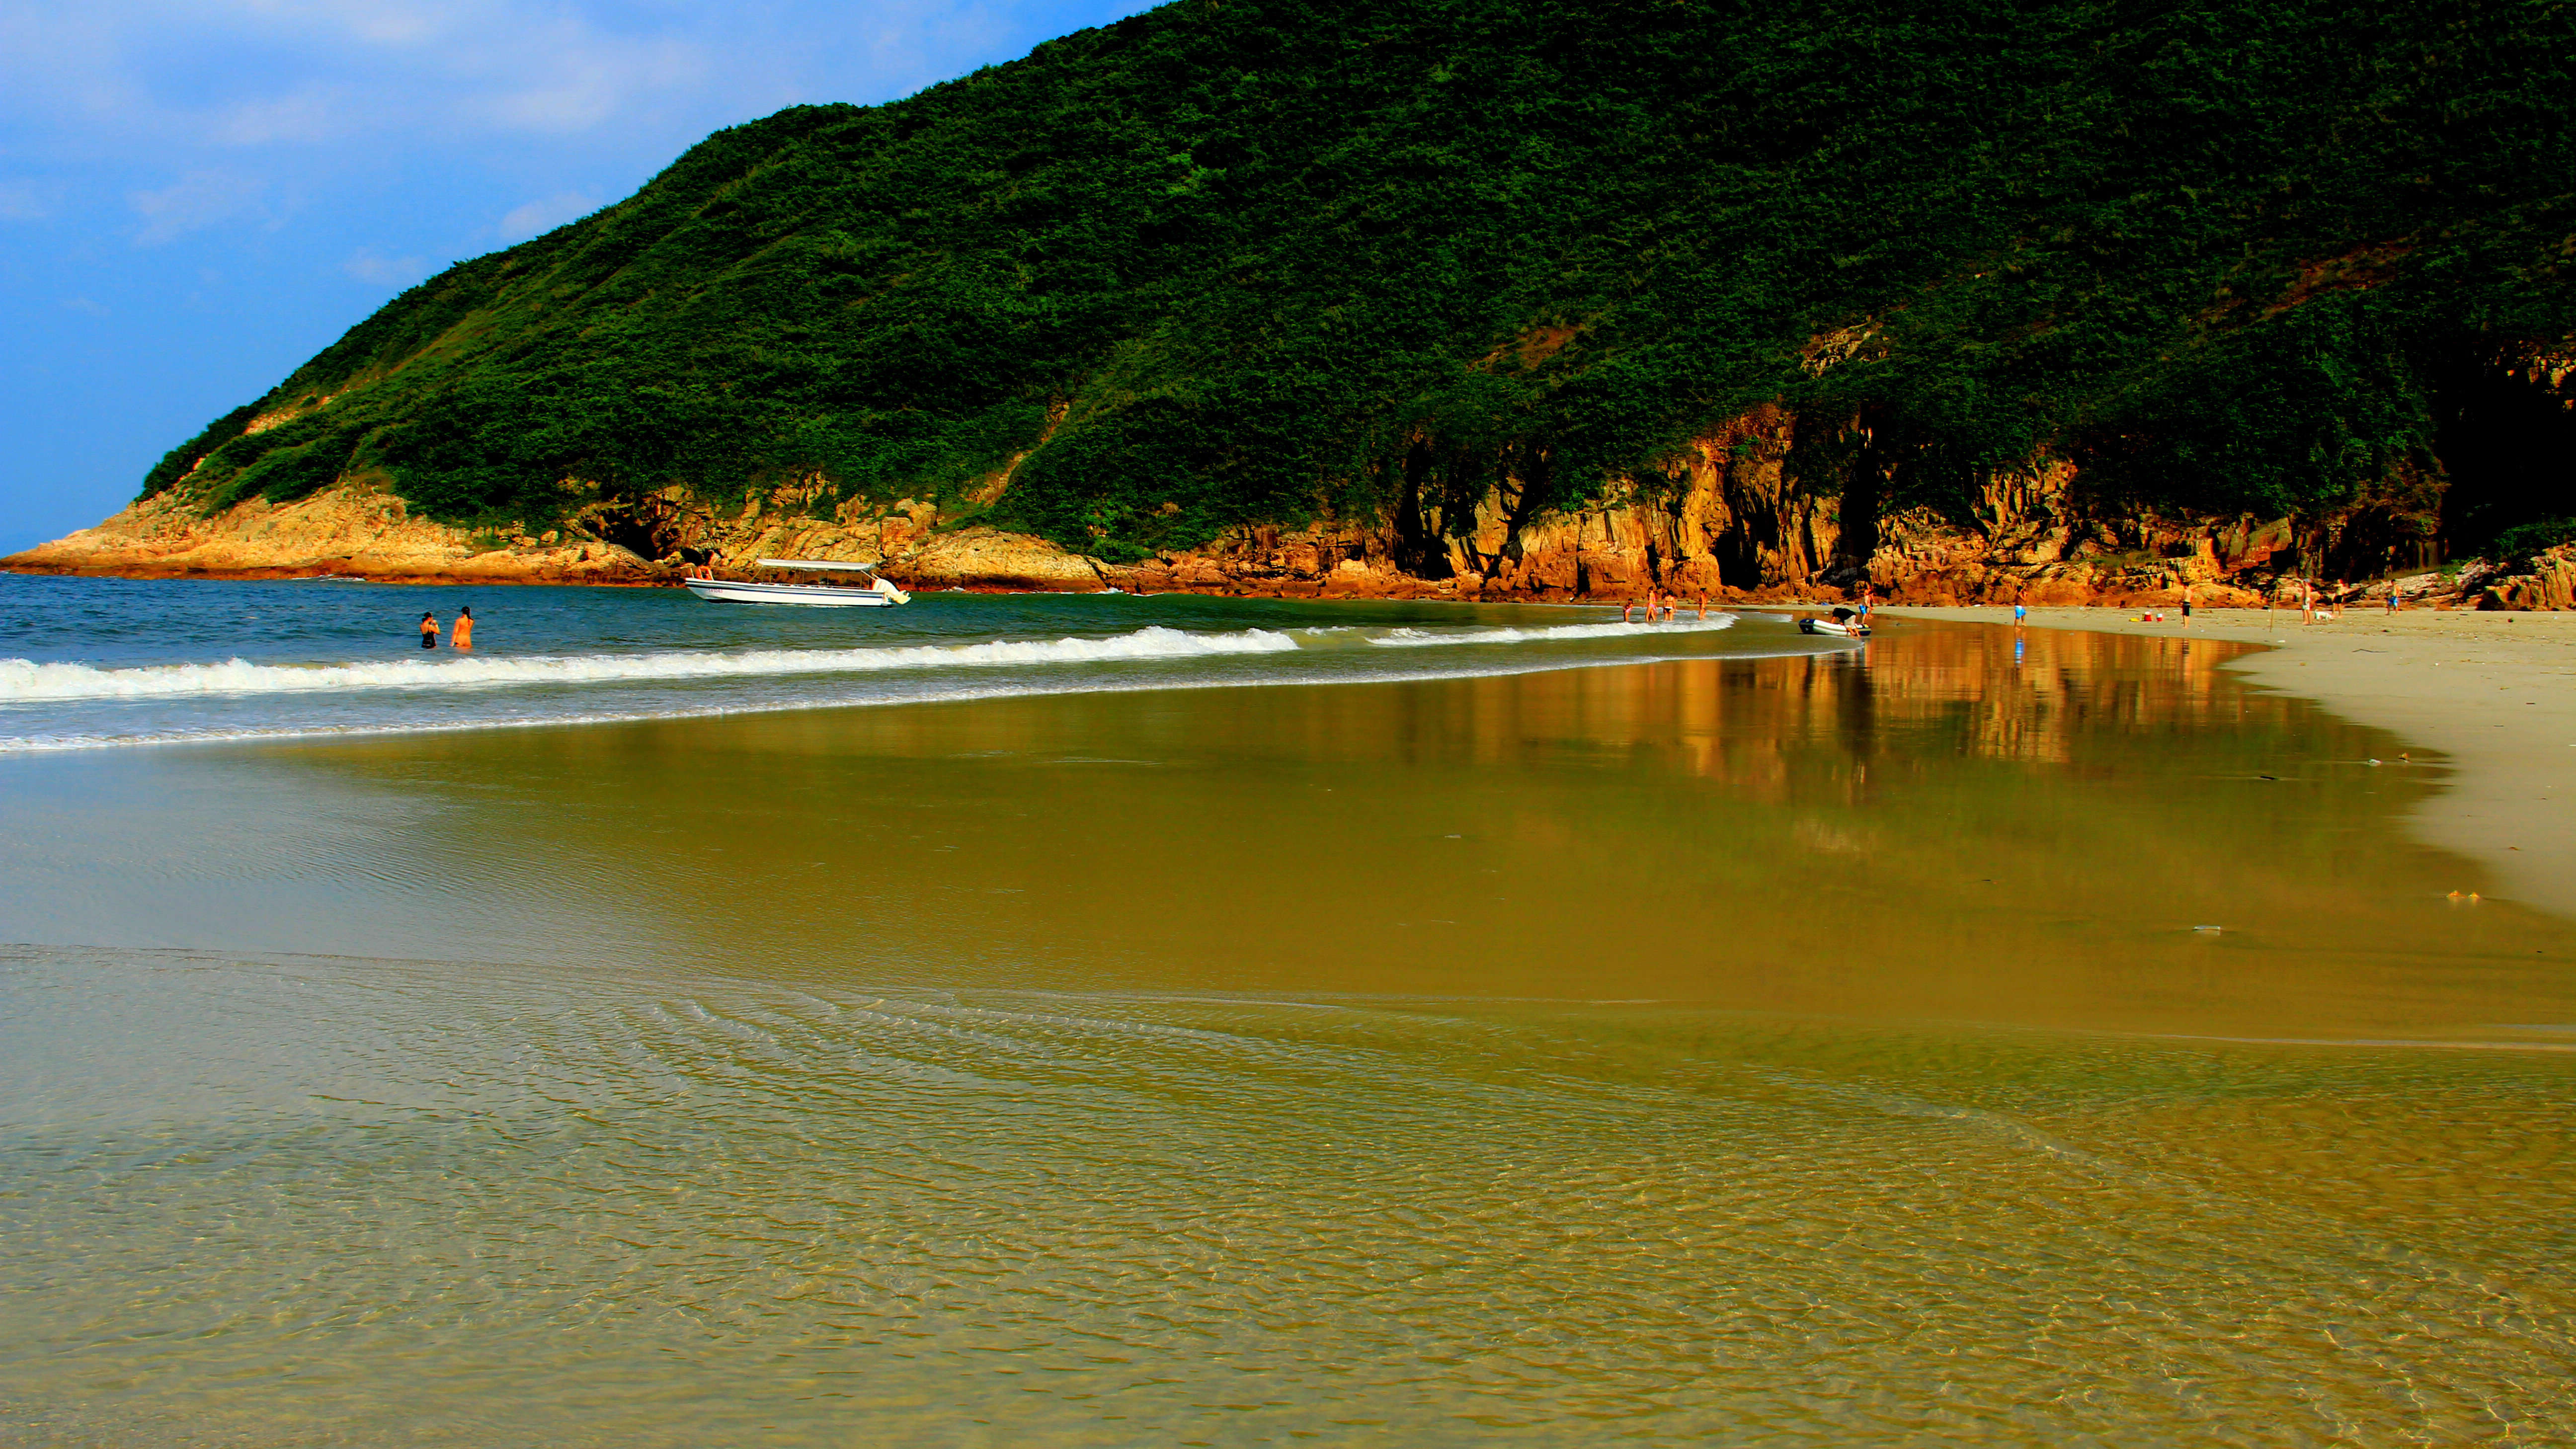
(1844, 624)
(871, 593)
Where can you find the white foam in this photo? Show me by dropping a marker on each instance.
(952, 692)
(1424, 639)
(24, 681)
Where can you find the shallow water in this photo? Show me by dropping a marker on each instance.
(1740, 1049)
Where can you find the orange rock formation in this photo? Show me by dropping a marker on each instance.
(1731, 522)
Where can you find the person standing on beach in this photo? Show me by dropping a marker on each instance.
(462, 636)
(2021, 610)
(428, 630)
(2186, 607)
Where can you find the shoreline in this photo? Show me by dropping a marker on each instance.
(2494, 693)
(2491, 691)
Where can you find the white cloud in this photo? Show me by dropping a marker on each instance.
(375, 269)
(20, 201)
(590, 79)
(84, 304)
(376, 22)
(311, 114)
(536, 217)
(82, 78)
(201, 199)
(626, 83)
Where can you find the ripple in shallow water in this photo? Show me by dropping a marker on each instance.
(380, 1202)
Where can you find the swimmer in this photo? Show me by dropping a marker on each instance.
(462, 636)
(428, 630)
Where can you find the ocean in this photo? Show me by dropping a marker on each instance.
(89, 662)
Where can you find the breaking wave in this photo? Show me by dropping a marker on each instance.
(23, 681)
(1424, 639)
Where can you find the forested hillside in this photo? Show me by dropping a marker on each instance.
(1249, 260)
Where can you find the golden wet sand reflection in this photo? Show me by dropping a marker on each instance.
(1803, 1051)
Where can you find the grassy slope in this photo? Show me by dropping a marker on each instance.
(1263, 252)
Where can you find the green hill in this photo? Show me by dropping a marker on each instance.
(1245, 260)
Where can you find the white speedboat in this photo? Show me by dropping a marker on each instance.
(1844, 624)
(875, 593)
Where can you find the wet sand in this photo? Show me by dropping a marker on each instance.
(2493, 693)
(1973, 1039)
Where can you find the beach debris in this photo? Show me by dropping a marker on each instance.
(2207, 930)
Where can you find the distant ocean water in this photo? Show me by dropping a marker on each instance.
(86, 663)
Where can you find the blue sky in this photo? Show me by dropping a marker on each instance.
(195, 197)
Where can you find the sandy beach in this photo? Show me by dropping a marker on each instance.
(2493, 693)
(1050, 1013)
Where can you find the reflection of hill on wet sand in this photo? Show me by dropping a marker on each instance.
(1969, 691)
(1942, 828)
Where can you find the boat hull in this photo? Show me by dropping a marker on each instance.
(818, 596)
(1828, 626)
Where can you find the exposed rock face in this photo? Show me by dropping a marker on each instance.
(988, 559)
(1733, 521)
(1738, 525)
(349, 529)
(2548, 582)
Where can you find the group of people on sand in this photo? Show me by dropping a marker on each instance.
(461, 638)
(2315, 610)
(1658, 604)
(2150, 615)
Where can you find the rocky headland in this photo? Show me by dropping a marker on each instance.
(1518, 299)
(1733, 523)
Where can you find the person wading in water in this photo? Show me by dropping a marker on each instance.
(462, 636)
(428, 630)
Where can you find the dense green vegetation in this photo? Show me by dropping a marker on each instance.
(2525, 539)
(1261, 257)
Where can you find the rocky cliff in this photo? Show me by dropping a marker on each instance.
(350, 530)
(1740, 517)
